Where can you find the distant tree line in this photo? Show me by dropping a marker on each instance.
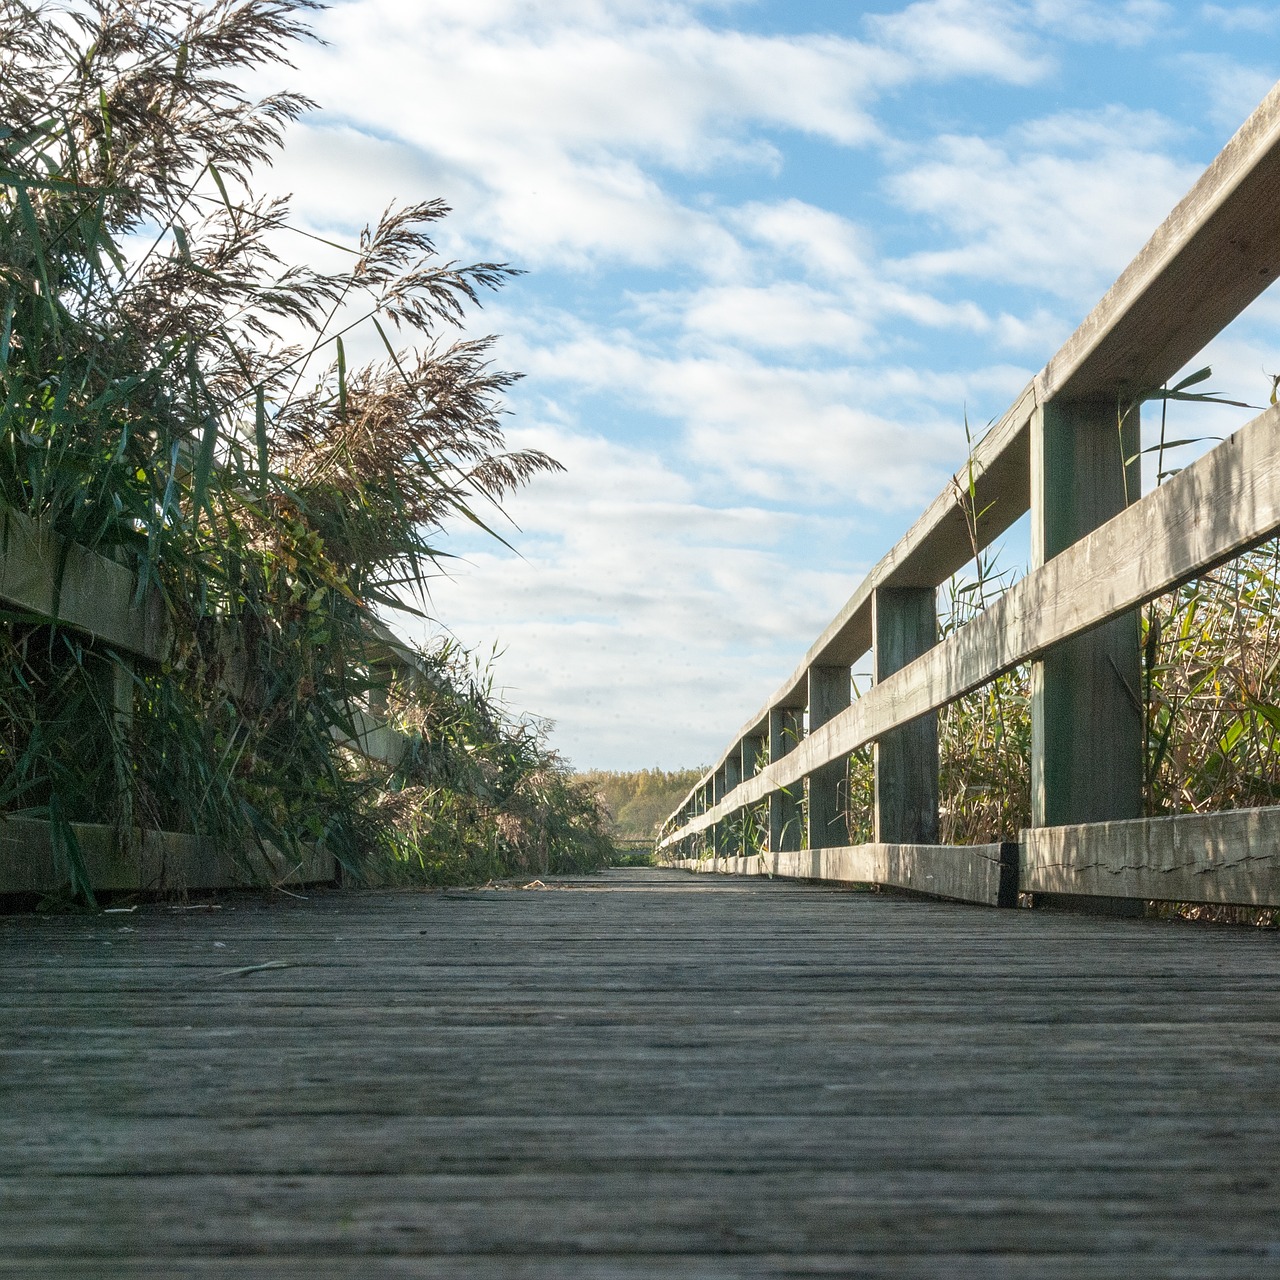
(637, 802)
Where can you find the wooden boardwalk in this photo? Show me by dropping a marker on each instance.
(642, 1074)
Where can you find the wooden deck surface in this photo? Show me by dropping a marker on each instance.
(646, 1073)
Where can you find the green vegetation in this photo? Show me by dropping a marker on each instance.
(638, 802)
(175, 394)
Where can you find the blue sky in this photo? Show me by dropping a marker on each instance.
(776, 252)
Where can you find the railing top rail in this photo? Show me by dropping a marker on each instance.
(1214, 254)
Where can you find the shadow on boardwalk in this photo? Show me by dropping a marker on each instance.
(640, 1074)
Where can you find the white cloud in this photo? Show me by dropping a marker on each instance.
(977, 37)
(1121, 22)
(644, 621)
(821, 243)
(1089, 132)
(1231, 89)
(880, 435)
(793, 374)
(562, 115)
(1026, 213)
(782, 317)
(1244, 17)
(1011, 40)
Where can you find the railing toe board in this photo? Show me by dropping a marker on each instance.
(1229, 859)
(978, 873)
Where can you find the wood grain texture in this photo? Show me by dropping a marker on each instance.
(636, 1075)
(786, 728)
(1229, 858)
(826, 788)
(1086, 713)
(905, 625)
(151, 861)
(1224, 502)
(43, 574)
(985, 874)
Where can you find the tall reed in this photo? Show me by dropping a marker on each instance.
(176, 395)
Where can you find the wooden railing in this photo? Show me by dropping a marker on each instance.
(1066, 451)
(48, 578)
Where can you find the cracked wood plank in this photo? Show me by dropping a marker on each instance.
(1227, 858)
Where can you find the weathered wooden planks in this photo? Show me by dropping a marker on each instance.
(644, 1074)
(830, 692)
(1230, 858)
(374, 738)
(44, 575)
(152, 862)
(905, 805)
(1086, 713)
(978, 873)
(1214, 858)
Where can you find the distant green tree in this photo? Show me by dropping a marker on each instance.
(639, 801)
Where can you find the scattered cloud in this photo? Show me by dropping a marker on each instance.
(956, 37)
(563, 116)
(1127, 23)
(770, 273)
(1061, 218)
(1264, 20)
(713, 603)
(1231, 89)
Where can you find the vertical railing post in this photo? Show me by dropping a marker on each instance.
(1086, 717)
(718, 829)
(122, 695)
(749, 759)
(829, 694)
(784, 806)
(904, 624)
(732, 774)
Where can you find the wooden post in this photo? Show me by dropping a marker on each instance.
(732, 774)
(904, 624)
(1086, 717)
(785, 727)
(829, 694)
(718, 830)
(751, 751)
(732, 771)
(122, 691)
